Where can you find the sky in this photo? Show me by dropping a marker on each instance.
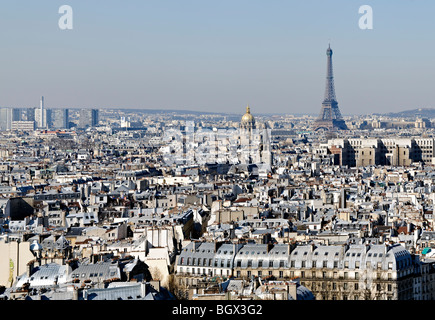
(221, 55)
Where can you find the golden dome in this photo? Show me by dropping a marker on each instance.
(248, 117)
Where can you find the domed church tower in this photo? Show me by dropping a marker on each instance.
(248, 120)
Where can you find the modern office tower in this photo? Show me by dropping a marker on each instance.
(330, 116)
(30, 114)
(88, 118)
(5, 119)
(42, 122)
(42, 115)
(16, 114)
(59, 119)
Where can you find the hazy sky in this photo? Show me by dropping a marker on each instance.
(217, 55)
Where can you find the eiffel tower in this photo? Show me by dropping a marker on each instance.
(330, 118)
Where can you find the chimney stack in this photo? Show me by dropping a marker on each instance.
(292, 290)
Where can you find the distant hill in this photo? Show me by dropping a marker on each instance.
(420, 112)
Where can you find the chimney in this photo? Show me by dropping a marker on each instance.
(292, 290)
(155, 284)
(75, 294)
(143, 289)
(30, 266)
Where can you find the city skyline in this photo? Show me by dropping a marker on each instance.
(203, 56)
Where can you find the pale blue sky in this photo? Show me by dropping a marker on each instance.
(217, 55)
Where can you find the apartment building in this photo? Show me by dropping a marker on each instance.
(331, 272)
